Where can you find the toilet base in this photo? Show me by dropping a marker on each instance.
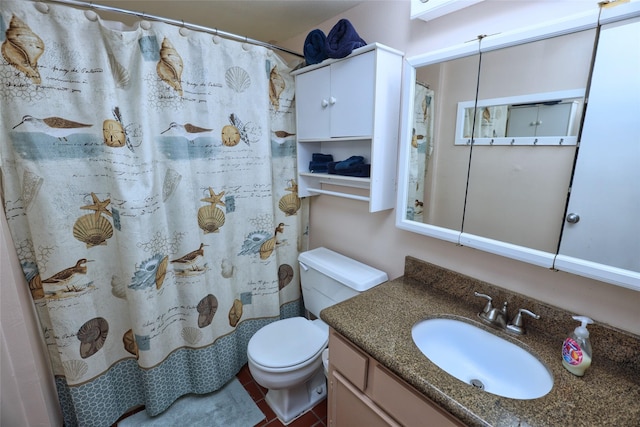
(288, 404)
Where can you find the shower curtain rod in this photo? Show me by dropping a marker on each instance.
(176, 22)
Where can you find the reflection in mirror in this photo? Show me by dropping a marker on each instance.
(438, 169)
(517, 193)
(550, 118)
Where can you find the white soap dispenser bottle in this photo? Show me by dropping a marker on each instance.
(576, 349)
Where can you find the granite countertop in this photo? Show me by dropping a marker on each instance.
(379, 321)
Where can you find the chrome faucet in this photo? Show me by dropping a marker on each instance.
(498, 317)
(517, 326)
(491, 314)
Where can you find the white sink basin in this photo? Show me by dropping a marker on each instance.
(482, 359)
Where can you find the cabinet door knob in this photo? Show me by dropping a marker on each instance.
(332, 100)
(573, 218)
(324, 103)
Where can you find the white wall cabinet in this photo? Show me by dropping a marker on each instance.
(431, 9)
(337, 100)
(362, 392)
(601, 235)
(541, 120)
(350, 107)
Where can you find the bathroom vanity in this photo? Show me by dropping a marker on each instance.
(363, 392)
(378, 376)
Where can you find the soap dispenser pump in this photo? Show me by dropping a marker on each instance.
(576, 349)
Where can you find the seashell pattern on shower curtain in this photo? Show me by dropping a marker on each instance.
(148, 183)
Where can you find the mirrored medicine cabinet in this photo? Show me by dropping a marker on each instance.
(490, 136)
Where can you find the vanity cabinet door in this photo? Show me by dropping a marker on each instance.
(363, 393)
(336, 101)
(349, 407)
(601, 235)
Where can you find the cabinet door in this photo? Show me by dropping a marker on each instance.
(522, 121)
(352, 96)
(350, 408)
(553, 120)
(313, 93)
(606, 187)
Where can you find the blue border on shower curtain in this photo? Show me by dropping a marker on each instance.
(217, 364)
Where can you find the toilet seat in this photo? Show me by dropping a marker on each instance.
(286, 343)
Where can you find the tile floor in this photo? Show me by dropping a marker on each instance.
(317, 417)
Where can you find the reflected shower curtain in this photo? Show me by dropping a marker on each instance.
(421, 148)
(148, 178)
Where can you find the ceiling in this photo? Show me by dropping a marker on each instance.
(265, 20)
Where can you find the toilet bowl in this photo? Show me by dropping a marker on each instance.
(290, 368)
(286, 356)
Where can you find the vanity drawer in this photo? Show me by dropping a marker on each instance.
(348, 360)
(404, 403)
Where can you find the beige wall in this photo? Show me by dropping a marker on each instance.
(346, 226)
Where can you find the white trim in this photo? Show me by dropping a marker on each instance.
(571, 24)
(619, 12)
(509, 250)
(593, 270)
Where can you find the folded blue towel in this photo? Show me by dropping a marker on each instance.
(314, 47)
(359, 170)
(319, 170)
(319, 167)
(342, 40)
(319, 157)
(349, 163)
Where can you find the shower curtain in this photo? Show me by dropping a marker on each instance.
(148, 179)
(421, 149)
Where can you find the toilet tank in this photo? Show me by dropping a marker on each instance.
(328, 278)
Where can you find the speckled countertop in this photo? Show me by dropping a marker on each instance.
(379, 322)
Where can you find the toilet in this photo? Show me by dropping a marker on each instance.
(288, 356)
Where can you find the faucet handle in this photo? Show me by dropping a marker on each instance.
(517, 325)
(488, 307)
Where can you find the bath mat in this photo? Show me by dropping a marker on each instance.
(231, 406)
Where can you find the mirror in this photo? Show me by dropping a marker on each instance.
(517, 192)
(438, 172)
(487, 178)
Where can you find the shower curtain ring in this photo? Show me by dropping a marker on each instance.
(144, 23)
(183, 30)
(90, 14)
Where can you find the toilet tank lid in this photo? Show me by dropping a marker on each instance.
(345, 270)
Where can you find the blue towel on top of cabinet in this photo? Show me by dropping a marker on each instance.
(314, 47)
(342, 40)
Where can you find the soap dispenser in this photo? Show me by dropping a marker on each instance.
(576, 349)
